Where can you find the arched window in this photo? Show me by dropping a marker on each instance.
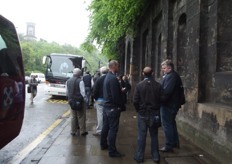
(224, 48)
(181, 44)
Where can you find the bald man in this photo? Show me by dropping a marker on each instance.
(147, 100)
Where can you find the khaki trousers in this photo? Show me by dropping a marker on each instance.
(78, 120)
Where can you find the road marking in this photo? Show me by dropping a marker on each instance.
(23, 153)
(57, 101)
(66, 114)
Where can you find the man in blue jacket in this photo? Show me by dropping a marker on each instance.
(171, 84)
(113, 106)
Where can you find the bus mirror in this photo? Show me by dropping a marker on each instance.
(44, 59)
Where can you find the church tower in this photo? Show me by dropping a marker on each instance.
(30, 34)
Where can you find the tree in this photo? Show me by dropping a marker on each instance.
(112, 20)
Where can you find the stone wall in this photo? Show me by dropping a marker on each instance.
(197, 36)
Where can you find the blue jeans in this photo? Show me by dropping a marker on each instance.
(143, 127)
(110, 128)
(168, 116)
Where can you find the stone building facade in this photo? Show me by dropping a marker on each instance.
(197, 36)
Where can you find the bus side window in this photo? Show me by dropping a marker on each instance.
(7, 66)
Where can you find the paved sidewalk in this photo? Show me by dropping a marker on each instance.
(62, 148)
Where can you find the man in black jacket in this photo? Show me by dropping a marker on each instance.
(147, 100)
(99, 100)
(171, 84)
(112, 109)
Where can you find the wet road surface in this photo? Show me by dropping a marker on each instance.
(37, 118)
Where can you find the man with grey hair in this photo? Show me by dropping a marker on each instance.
(76, 90)
(169, 109)
(99, 100)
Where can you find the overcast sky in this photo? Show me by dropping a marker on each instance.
(62, 21)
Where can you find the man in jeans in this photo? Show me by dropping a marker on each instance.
(99, 100)
(147, 100)
(171, 83)
(112, 110)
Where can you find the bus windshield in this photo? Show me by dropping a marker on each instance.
(59, 70)
(63, 65)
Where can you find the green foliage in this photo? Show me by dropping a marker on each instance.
(93, 56)
(89, 47)
(111, 20)
(33, 52)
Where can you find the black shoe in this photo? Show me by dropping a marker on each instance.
(104, 147)
(177, 146)
(96, 134)
(117, 154)
(73, 134)
(84, 134)
(165, 150)
(138, 161)
(156, 161)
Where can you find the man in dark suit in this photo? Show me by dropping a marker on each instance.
(169, 109)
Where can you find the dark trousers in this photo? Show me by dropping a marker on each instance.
(168, 117)
(146, 123)
(110, 129)
(88, 95)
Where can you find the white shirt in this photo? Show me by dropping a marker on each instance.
(82, 88)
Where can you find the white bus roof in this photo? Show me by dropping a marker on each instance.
(59, 54)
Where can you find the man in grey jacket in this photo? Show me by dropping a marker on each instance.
(76, 90)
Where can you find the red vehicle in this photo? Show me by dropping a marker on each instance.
(12, 83)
